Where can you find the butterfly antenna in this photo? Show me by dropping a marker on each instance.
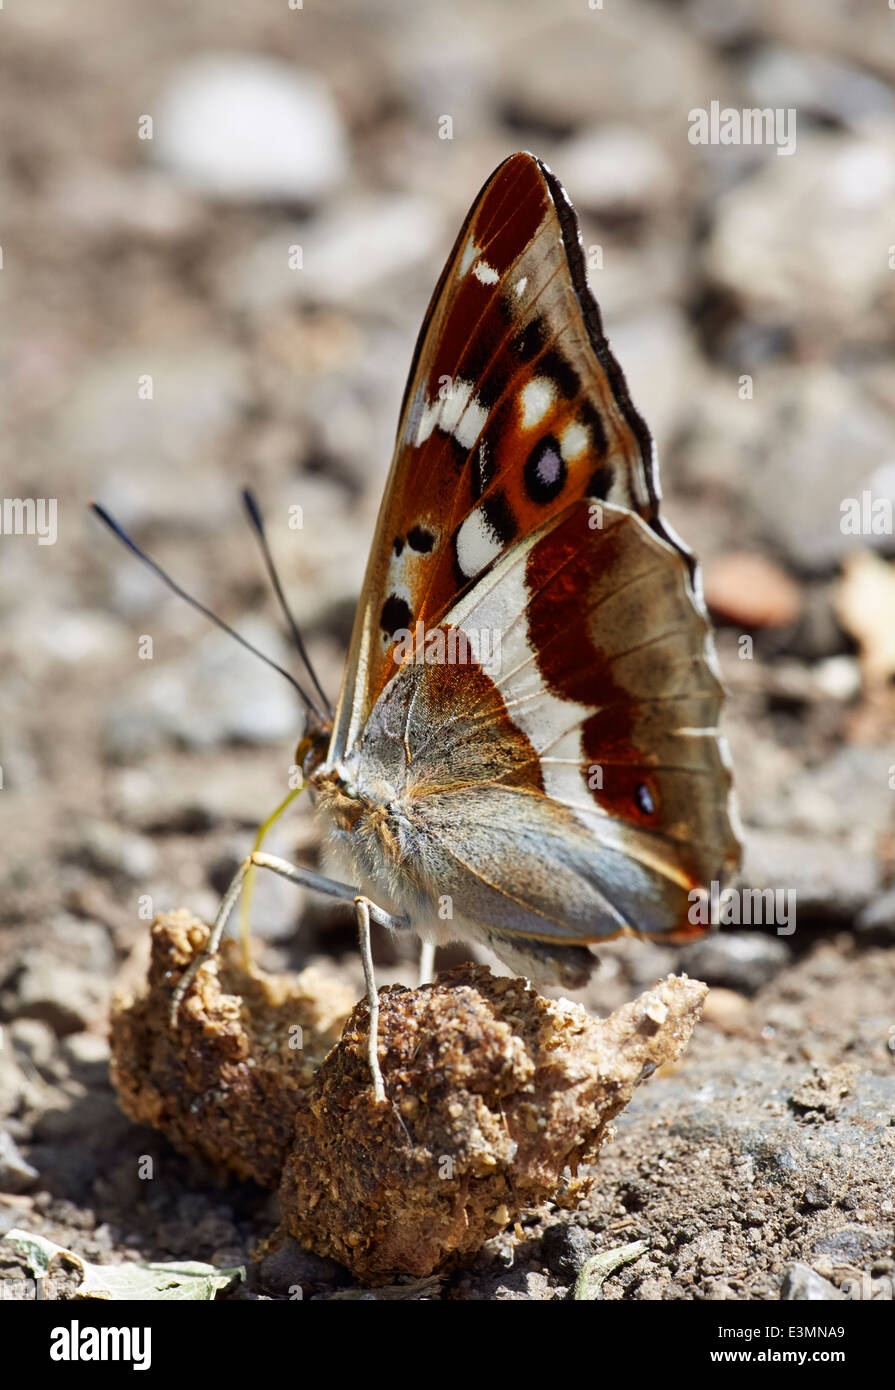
(131, 544)
(254, 515)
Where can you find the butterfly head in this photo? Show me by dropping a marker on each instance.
(312, 748)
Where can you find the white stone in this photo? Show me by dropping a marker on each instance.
(249, 128)
(616, 166)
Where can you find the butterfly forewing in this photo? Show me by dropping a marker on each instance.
(514, 407)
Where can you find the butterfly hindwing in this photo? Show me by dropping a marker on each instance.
(570, 784)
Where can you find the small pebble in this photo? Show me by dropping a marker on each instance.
(803, 1284)
(248, 128)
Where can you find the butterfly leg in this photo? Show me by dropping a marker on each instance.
(427, 962)
(308, 879)
(365, 909)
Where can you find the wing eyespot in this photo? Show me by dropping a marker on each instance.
(545, 471)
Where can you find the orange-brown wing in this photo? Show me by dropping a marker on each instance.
(514, 408)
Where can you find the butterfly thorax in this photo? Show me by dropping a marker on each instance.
(345, 796)
(375, 831)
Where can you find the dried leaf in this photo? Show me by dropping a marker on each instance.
(596, 1270)
(183, 1280)
(865, 606)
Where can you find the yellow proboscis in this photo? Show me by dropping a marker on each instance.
(245, 907)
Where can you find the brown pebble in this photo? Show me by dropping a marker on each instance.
(751, 591)
(726, 1010)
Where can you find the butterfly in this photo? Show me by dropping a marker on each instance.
(525, 751)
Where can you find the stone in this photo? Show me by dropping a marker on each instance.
(817, 85)
(850, 1245)
(289, 1266)
(802, 1284)
(16, 1173)
(844, 797)
(823, 1091)
(524, 1286)
(565, 1247)
(738, 960)
(797, 242)
(648, 70)
(86, 1051)
(105, 203)
(661, 366)
(61, 995)
(820, 442)
(215, 695)
(616, 168)
(819, 1196)
(355, 251)
(727, 1010)
(34, 1039)
(115, 852)
(878, 917)
(830, 881)
(249, 129)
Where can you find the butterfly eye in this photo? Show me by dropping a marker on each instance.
(303, 750)
(311, 751)
(643, 797)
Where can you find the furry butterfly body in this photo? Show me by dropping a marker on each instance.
(568, 782)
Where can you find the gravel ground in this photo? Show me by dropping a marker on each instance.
(749, 296)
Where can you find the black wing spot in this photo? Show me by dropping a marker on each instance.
(398, 544)
(458, 452)
(418, 538)
(593, 420)
(396, 615)
(532, 339)
(545, 471)
(600, 483)
(499, 517)
(479, 365)
(555, 366)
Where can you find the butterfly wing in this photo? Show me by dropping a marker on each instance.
(566, 781)
(514, 408)
(569, 782)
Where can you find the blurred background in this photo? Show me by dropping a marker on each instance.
(220, 228)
